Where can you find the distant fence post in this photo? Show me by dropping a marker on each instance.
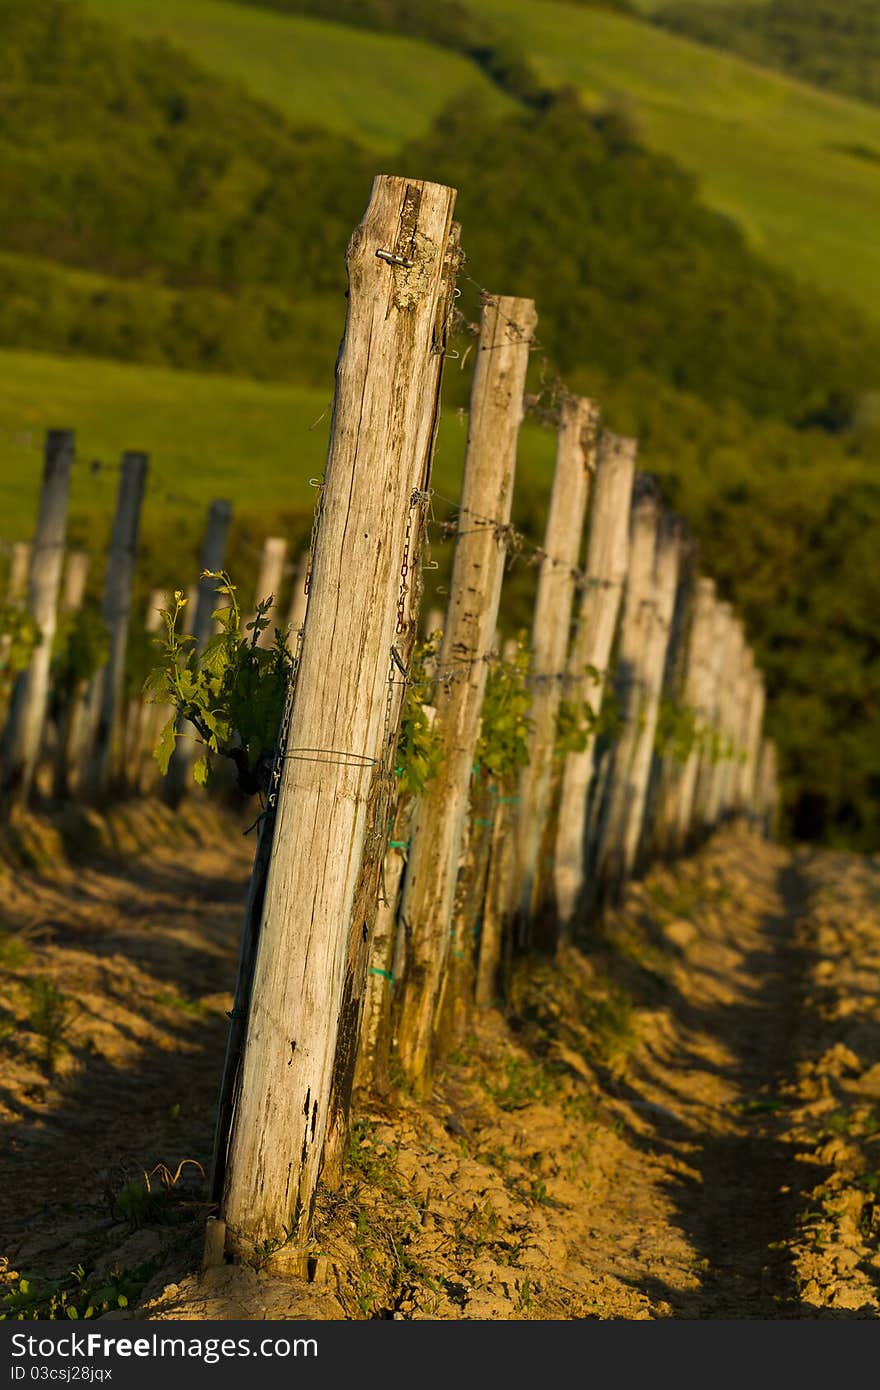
(607, 564)
(551, 628)
(67, 703)
(19, 568)
(334, 788)
(697, 697)
(667, 567)
(754, 727)
(269, 581)
(116, 611)
(30, 698)
(496, 411)
(635, 642)
(213, 551)
(711, 741)
(727, 725)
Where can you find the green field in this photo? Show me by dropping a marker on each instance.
(208, 436)
(379, 88)
(768, 151)
(791, 173)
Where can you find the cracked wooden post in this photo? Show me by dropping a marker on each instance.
(551, 630)
(332, 798)
(698, 698)
(359, 978)
(496, 410)
(667, 566)
(116, 613)
(269, 581)
(30, 697)
(607, 564)
(202, 610)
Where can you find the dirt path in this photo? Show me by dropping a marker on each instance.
(681, 1119)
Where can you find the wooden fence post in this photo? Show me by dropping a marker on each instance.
(551, 630)
(607, 564)
(116, 611)
(332, 799)
(710, 743)
(754, 726)
(698, 699)
(727, 725)
(496, 410)
(635, 644)
(667, 566)
(269, 581)
(30, 698)
(213, 551)
(67, 704)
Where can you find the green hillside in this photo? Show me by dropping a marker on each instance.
(829, 43)
(768, 151)
(378, 88)
(789, 174)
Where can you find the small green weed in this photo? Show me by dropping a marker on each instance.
(49, 1015)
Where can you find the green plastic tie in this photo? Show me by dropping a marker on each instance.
(386, 974)
(399, 844)
(481, 820)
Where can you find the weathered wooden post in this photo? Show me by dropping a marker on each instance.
(754, 727)
(358, 975)
(213, 550)
(299, 597)
(30, 697)
(698, 698)
(146, 718)
(332, 798)
(639, 617)
(496, 410)
(551, 629)
(711, 742)
(607, 564)
(727, 722)
(67, 703)
(269, 581)
(667, 565)
(115, 611)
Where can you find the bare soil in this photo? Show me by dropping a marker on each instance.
(681, 1118)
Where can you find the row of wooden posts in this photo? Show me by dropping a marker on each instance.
(359, 965)
(361, 954)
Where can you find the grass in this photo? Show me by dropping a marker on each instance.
(380, 88)
(256, 443)
(768, 151)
